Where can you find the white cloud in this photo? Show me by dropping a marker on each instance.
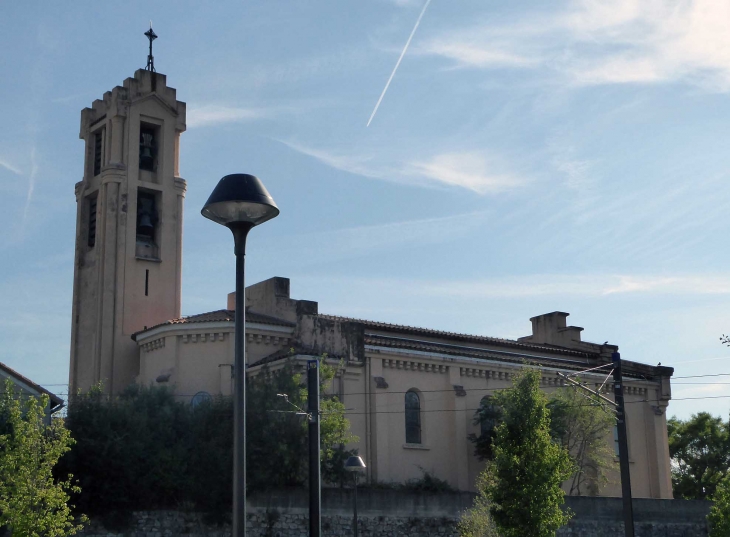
(213, 114)
(471, 54)
(581, 285)
(470, 170)
(355, 164)
(605, 42)
(5, 164)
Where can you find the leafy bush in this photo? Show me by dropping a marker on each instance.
(477, 521)
(428, 483)
(146, 450)
(719, 517)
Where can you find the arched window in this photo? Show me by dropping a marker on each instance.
(488, 416)
(413, 418)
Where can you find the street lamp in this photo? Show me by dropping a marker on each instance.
(355, 465)
(240, 202)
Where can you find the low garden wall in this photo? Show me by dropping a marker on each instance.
(391, 513)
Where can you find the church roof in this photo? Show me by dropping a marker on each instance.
(456, 336)
(56, 401)
(220, 316)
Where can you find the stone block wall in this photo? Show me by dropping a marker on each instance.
(388, 513)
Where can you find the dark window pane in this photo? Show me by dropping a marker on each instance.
(413, 418)
(97, 153)
(489, 414)
(92, 222)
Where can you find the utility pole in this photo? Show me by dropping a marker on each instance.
(623, 445)
(315, 490)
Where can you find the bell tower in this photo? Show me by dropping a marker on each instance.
(128, 259)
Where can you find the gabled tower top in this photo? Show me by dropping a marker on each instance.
(151, 35)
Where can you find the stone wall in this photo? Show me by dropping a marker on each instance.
(392, 513)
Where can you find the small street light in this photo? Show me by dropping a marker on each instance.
(355, 465)
(240, 202)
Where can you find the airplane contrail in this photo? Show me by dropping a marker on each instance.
(398, 62)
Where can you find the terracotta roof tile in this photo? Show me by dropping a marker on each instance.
(220, 316)
(404, 329)
(471, 352)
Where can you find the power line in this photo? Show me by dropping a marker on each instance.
(701, 376)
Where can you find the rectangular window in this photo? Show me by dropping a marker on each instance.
(98, 143)
(92, 221)
(147, 282)
(413, 418)
(146, 216)
(147, 147)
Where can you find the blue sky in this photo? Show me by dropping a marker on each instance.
(527, 158)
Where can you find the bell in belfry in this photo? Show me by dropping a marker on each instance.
(146, 150)
(146, 216)
(145, 226)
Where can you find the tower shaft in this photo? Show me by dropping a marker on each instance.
(127, 272)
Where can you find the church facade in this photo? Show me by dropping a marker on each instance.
(411, 392)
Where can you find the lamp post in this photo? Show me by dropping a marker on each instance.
(240, 202)
(355, 465)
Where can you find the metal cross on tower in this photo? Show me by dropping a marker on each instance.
(151, 35)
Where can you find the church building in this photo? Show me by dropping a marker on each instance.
(411, 392)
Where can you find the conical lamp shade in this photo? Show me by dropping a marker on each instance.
(240, 198)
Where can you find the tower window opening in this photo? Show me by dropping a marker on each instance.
(147, 282)
(147, 147)
(147, 217)
(91, 241)
(97, 153)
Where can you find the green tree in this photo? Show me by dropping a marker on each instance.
(278, 457)
(477, 521)
(700, 452)
(583, 427)
(529, 467)
(148, 449)
(32, 503)
(719, 517)
(487, 416)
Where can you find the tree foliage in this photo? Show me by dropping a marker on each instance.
(487, 416)
(583, 426)
(700, 451)
(719, 517)
(32, 503)
(529, 467)
(477, 521)
(147, 449)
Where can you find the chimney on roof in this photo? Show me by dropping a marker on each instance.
(271, 297)
(552, 329)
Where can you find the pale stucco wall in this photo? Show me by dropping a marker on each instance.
(194, 354)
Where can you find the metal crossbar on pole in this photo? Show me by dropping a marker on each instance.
(586, 388)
